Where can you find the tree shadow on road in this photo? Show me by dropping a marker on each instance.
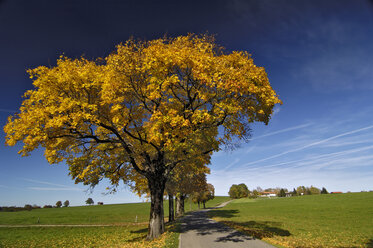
(202, 225)
(223, 213)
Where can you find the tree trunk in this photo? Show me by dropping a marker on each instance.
(156, 223)
(171, 216)
(198, 205)
(182, 200)
(204, 206)
(179, 205)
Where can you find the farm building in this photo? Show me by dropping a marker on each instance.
(267, 194)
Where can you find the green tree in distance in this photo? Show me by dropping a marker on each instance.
(324, 191)
(238, 191)
(66, 203)
(282, 193)
(89, 201)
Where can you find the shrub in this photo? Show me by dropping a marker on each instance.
(28, 207)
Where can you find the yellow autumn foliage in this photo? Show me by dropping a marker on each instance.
(146, 108)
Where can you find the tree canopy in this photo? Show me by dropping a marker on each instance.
(89, 201)
(146, 108)
(66, 203)
(204, 194)
(238, 191)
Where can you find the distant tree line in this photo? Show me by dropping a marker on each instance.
(242, 191)
(29, 207)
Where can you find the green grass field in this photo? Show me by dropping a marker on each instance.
(334, 220)
(128, 233)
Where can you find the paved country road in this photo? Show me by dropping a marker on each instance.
(197, 230)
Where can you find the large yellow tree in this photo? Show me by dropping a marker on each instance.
(146, 108)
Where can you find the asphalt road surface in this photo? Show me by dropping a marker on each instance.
(197, 230)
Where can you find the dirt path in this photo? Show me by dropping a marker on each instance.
(200, 231)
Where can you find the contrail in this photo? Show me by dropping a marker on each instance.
(233, 163)
(312, 144)
(7, 110)
(54, 189)
(281, 131)
(62, 187)
(312, 159)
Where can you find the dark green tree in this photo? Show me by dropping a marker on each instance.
(28, 207)
(324, 191)
(294, 193)
(66, 203)
(89, 201)
(58, 204)
(282, 193)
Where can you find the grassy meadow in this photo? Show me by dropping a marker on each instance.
(123, 230)
(333, 220)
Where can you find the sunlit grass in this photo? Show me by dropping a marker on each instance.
(105, 214)
(121, 236)
(340, 220)
(126, 232)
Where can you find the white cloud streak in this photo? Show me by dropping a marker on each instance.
(311, 160)
(311, 144)
(282, 131)
(233, 163)
(54, 189)
(60, 187)
(7, 110)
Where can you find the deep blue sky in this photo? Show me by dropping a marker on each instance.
(318, 56)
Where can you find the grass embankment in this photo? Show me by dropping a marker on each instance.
(334, 220)
(127, 233)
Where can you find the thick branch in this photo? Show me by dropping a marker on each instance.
(126, 148)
